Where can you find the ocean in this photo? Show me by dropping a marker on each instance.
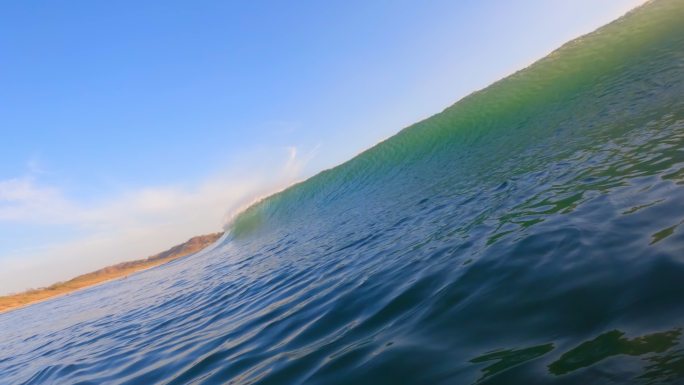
(531, 233)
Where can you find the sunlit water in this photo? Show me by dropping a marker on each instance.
(530, 234)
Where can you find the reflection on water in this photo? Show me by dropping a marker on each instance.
(663, 365)
(610, 344)
(664, 233)
(664, 368)
(506, 359)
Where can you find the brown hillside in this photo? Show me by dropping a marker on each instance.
(108, 273)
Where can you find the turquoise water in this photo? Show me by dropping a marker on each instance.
(532, 233)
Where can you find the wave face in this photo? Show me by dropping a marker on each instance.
(532, 233)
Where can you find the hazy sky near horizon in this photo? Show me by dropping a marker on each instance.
(128, 126)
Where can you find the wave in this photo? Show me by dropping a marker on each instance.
(531, 233)
(531, 102)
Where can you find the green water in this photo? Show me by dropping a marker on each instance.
(603, 84)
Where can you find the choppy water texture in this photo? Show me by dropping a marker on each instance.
(531, 233)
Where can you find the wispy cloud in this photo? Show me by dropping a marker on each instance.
(134, 224)
(23, 200)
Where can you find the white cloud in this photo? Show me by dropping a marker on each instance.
(22, 200)
(133, 225)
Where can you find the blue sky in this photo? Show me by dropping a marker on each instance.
(130, 126)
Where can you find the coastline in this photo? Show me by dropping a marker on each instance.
(110, 273)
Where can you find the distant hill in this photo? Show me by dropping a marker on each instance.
(108, 273)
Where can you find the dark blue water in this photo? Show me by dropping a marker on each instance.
(529, 234)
